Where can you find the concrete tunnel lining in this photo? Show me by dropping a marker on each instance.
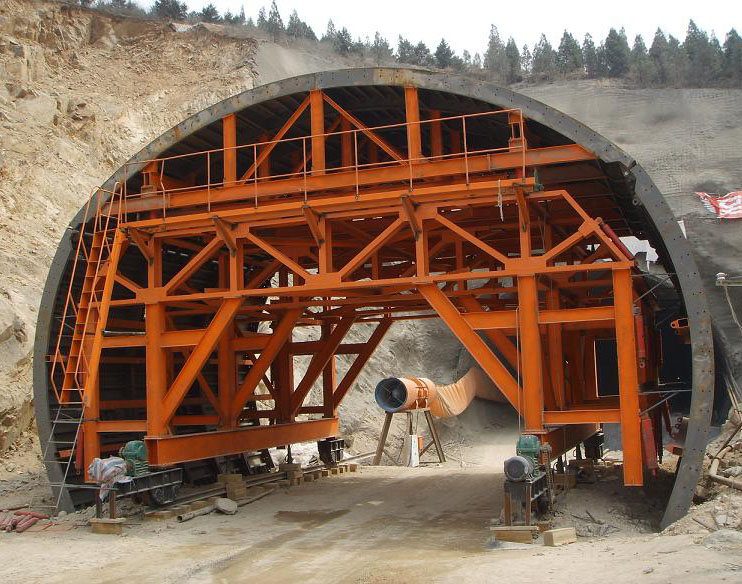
(673, 248)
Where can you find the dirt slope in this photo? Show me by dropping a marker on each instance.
(82, 92)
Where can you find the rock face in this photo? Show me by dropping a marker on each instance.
(82, 91)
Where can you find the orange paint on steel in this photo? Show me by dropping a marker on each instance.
(376, 237)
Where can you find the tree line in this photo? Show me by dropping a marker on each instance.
(699, 60)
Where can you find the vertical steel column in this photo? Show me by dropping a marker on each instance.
(346, 144)
(229, 140)
(436, 134)
(227, 358)
(628, 380)
(530, 353)
(317, 119)
(412, 111)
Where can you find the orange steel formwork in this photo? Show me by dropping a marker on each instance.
(196, 276)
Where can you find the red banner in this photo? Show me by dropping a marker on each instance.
(727, 207)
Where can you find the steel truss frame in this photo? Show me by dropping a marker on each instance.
(525, 278)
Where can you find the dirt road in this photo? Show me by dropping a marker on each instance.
(381, 524)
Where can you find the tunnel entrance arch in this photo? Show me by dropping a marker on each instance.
(360, 196)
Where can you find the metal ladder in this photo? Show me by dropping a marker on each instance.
(70, 414)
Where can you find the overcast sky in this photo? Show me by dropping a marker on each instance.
(465, 24)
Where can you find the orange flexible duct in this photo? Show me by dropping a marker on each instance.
(400, 394)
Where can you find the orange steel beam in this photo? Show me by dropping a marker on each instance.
(198, 357)
(472, 342)
(267, 148)
(194, 264)
(278, 339)
(531, 363)
(229, 140)
(368, 132)
(436, 134)
(360, 361)
(320, 361)
(412, 113)
(577, 416)
(499, 339)
(167, 450)
(628, 379)
(317, 120)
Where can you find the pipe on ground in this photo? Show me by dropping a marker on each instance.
(402, 394)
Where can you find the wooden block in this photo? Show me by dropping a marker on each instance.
(568, 480)
(229, 478)
(316, 474)
(309, 477)
(159, 515)
(561, 536)
(296, 481)
(334, 470)
(325, 472)
(107, 526)
(235, 492)
(352, 467)
(515, 533)
(294, 474)
(543, 526)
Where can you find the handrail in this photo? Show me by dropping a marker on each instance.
(102, 226)
(302, 171)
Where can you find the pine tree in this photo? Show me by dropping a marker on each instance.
(209, 13)
(423, 57)
(590, 57)
(381, 51)
(658, 56)
(477, 61)
(569, 55)
(704, 60)
(262, 20)
(405, 50)
(443, 55)
(544, 59)
(641, 67)
(733, 58)
(617, 53)
(298, 29)
(526, 61)
(241, 16)
(274, 25)
(495, 61)
(170, 9)
(342, 42)
(293, 27)
(677, 62)
(331, 32)
(512, 54)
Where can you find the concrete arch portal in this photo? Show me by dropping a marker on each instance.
(366, 196)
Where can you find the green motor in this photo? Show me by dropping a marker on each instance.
(529, 446)
(134, 453)
(525, 464)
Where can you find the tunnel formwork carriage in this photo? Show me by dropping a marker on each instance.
(358, 198)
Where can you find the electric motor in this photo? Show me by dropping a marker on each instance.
(519, 468)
